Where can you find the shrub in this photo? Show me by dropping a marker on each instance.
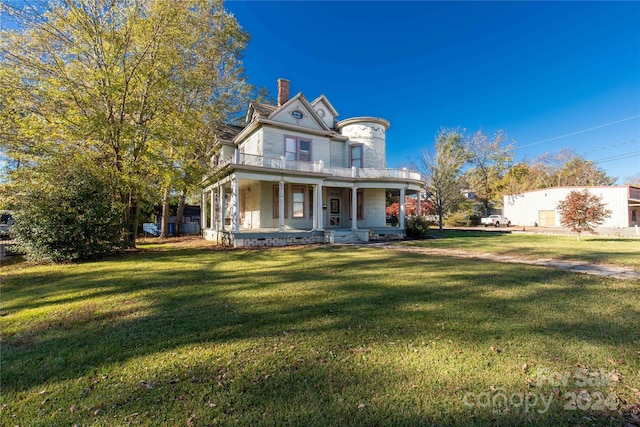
(417, 227)
(462, 219)
(474, 220)
(72, 217)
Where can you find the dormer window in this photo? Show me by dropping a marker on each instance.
(297, 149)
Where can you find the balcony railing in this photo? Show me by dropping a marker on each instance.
(318, 167)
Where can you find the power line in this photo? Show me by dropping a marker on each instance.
(610, 146)
(621, 157)
(581, 131)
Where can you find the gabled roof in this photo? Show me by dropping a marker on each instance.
(324, 99)
(260, 109)
(226, 132)
(300, 98)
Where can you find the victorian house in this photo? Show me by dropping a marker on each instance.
(295, 174)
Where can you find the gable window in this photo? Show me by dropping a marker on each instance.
(355, 155)
(297, 149)
(359, 204)
(298, 206)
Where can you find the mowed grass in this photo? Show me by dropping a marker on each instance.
(624, 252)
(334, 335)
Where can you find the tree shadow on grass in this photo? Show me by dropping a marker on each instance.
(337, 298)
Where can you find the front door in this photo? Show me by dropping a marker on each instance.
(334, 212)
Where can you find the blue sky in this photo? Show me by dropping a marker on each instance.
(550, 74)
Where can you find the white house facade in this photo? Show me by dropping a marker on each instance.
(294, 174)
(538, 208)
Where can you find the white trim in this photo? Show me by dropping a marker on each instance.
(354, 208)
(281, 207)
(362, 119)
(235, 217)
(322, 98)
(403, 208)
(286, 126)
(312, 111)
(203, 210)
(212, 221)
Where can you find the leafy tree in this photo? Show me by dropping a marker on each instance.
(443, 171)
(411, 207)
(517, 179)
(582, 211)
(69, 213)
(564, 168)
(125, 80)
(490, 160)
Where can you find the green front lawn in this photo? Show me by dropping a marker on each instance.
(314, 336)
(623, 252)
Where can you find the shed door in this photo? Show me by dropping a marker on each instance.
(546, 218)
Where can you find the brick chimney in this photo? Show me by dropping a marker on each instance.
(283, 91)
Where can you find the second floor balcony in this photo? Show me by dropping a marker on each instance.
(281, 163)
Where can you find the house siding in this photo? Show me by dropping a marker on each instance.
(328, 117)
(250, 202)
(274, 144)
(372, 137)
(307, 120)
(252, 145)
(374, 209)
(269, 217)
(337, 157)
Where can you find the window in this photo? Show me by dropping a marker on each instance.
(359, 204)
(298, 201)
(355, 155)
(633, 216)
(276, 202)
(297, 149)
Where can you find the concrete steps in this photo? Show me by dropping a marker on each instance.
(345, 236)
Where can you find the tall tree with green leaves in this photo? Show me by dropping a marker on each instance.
(566, 168)
(443, 170)
(134, 84)
(490, 159)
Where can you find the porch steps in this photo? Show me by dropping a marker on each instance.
(345, 236)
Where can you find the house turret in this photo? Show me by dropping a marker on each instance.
(371, 133)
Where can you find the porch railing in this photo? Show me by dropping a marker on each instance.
(318, 167)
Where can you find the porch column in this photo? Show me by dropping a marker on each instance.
(203, 211)
(235, 207)
(281, 207)
(222, 207)
(213, 212)
(319, 212)
(354, 208)
(419, 204)
(402, 207)
(314, 213)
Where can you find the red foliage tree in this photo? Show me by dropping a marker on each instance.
(411, 207)
(582, 211)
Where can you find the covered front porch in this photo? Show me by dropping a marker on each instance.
(249, 209)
